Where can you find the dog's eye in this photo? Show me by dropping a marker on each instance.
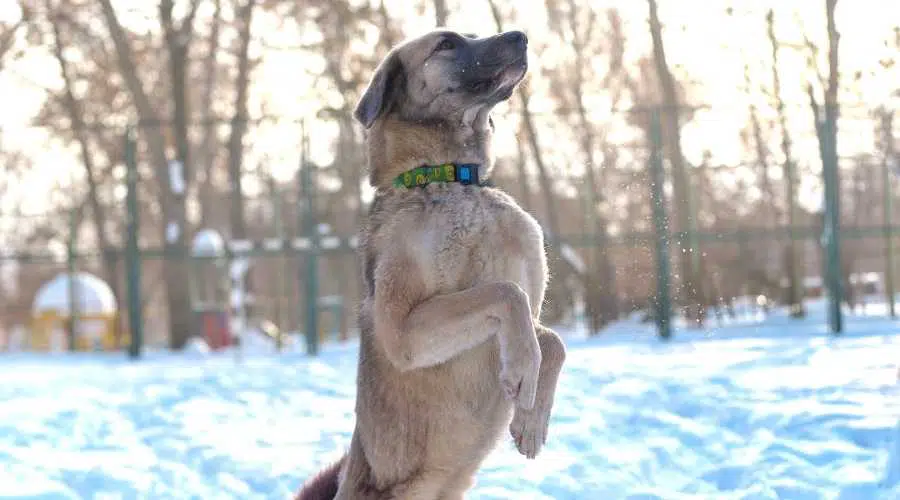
(445, 44)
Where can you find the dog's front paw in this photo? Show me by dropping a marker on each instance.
(529, 429)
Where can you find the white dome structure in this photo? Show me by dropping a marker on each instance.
(208, 243)
(92, 296)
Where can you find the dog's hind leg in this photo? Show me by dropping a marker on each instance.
(324, 485)
(529, 427)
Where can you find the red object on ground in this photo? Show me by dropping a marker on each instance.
(216, 329)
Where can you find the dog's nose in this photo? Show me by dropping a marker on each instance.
(516, 38)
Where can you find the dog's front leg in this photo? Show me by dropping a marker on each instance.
(430, 332)
(529, 426)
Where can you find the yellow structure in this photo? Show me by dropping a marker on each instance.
(96, 315)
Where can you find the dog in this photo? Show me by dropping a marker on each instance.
(452, 352)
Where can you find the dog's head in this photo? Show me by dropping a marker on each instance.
(445, 76)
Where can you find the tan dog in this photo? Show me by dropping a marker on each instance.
(451, 351)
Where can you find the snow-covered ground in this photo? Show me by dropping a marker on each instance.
(769, 409)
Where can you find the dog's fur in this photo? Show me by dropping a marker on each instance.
(452, 352)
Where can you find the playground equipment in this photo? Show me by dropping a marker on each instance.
(76, 311)
(209, 287)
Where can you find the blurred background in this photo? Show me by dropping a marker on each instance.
(177, 170)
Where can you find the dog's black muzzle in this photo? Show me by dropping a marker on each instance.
(492, 57)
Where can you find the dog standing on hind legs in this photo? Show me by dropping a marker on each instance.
(452, 353)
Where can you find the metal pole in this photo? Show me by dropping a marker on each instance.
(70, 270)
(312, 235)
(663, 305)
(132, 252)
(589, 226)
(275, 193)
(743, 256)
(243, 316)
(694, 248)
(887, 205)
(832, 225)
(796, 288)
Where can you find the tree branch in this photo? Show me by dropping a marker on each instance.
(186, 30)
(8, 35)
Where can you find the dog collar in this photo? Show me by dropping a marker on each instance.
(463, 173)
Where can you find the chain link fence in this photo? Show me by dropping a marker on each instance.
(720, 242)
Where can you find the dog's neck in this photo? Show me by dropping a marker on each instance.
(396, 146)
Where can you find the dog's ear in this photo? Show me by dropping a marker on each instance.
(387, 83)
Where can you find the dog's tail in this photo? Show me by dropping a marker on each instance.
(324, 485)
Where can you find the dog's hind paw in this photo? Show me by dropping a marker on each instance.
(529, 430)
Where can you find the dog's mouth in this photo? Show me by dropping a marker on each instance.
(501, 82)
(480, 86)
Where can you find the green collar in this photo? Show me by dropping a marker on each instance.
(464, 173)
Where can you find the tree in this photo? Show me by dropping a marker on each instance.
(172, 182)
(75, 113)
(9, 32)
(792, 262)
(691, 287)
(440, 13)
(885, 143)
(576, 26)
(206, 152)
(557, 298)
(524, 96)
(825, 122)
(756, 141)
(239, 121)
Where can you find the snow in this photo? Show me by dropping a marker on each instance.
(92, 295)
(572, 258)
(176, 177)
(208, 243)
(173, 231)
(757, 409)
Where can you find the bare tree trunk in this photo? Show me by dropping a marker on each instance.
(825, 121)
(556, 295)
(206, 155)
(172, 207)
(440, 13)
(75, 114)
(793, 262)
(691, 283)
(386, 35)
(239, 124)
(831, 101)
(348, 163)
(178, 41)
(599, 284)
(886, 119)
(534, 143)
(8, 33)
(767, 205)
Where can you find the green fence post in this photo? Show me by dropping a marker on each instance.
(71, 257)
(887, 205)
(311, 230)
(832, 226)
(742, 241)
(132, 252)
(693, 242)
(663, 305)
(796, 288)
(283, 285)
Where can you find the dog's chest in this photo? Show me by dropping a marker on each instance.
(474, 238)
